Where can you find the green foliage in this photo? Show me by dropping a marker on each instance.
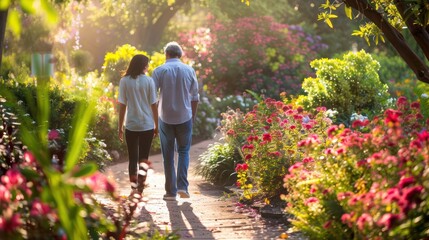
(348, 85)
(392, 68)
(116, 63)
(422, 91)
(242, 102)
(217, 164)
(81, 60)
(15, 67)
(206, 120)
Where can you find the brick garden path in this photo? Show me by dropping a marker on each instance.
(210, 213)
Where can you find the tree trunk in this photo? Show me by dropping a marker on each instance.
(152, 33)
(394, 37)
(3, 21)
(419, 33)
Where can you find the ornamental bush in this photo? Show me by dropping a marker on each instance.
(257, 54)
(267, 138)
(348, 85)
(369, 181)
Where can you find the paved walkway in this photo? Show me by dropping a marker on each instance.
(209, 214)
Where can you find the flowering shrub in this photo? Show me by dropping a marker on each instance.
(250, 53)
(267, 137)
(348, 85)
(369, 181)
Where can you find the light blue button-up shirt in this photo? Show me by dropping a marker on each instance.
(178, 86)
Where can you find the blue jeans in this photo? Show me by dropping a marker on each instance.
(175, 137)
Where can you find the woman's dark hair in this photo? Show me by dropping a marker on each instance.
(137, 65)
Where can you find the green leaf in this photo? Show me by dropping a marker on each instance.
(85, 170)
(14, 22)
(348, 11)
(4, 4)
(29, 173)
(83, 116)
(328, 21)
(50, 11)
(28, 6)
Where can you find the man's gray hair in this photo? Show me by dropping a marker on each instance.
(173, 50)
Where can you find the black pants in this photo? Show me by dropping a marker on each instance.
(138, 145)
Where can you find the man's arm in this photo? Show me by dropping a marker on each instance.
(194, 105)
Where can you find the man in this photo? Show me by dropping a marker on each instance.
(177, 107)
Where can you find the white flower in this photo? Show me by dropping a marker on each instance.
(424, 95)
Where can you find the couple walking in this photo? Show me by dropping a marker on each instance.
(169, 113)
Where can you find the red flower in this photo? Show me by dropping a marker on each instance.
(423, 136)
(241, 167)
(266, 137)
(415, 105)
(327, 224)
(9, 225)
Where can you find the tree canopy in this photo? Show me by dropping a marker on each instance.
(389, 20)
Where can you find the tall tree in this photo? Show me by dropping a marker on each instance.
(142, 22)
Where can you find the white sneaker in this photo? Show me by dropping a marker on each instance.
(183, 194)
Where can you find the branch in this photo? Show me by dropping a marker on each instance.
(394, 37)
(419, 33)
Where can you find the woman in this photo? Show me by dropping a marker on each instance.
(138, 99)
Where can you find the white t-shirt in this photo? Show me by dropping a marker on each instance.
(138, 95)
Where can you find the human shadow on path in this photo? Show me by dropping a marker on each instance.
(195, 229)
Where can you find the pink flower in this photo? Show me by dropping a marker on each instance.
(294, 167)
(405, 181)
(53, 134)
(39, 208)
(13, 178)
(311, 200)
(5, 195)
(363, 220)
(344, 195)
(29, 157)
(388, 220)
(345, 218)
